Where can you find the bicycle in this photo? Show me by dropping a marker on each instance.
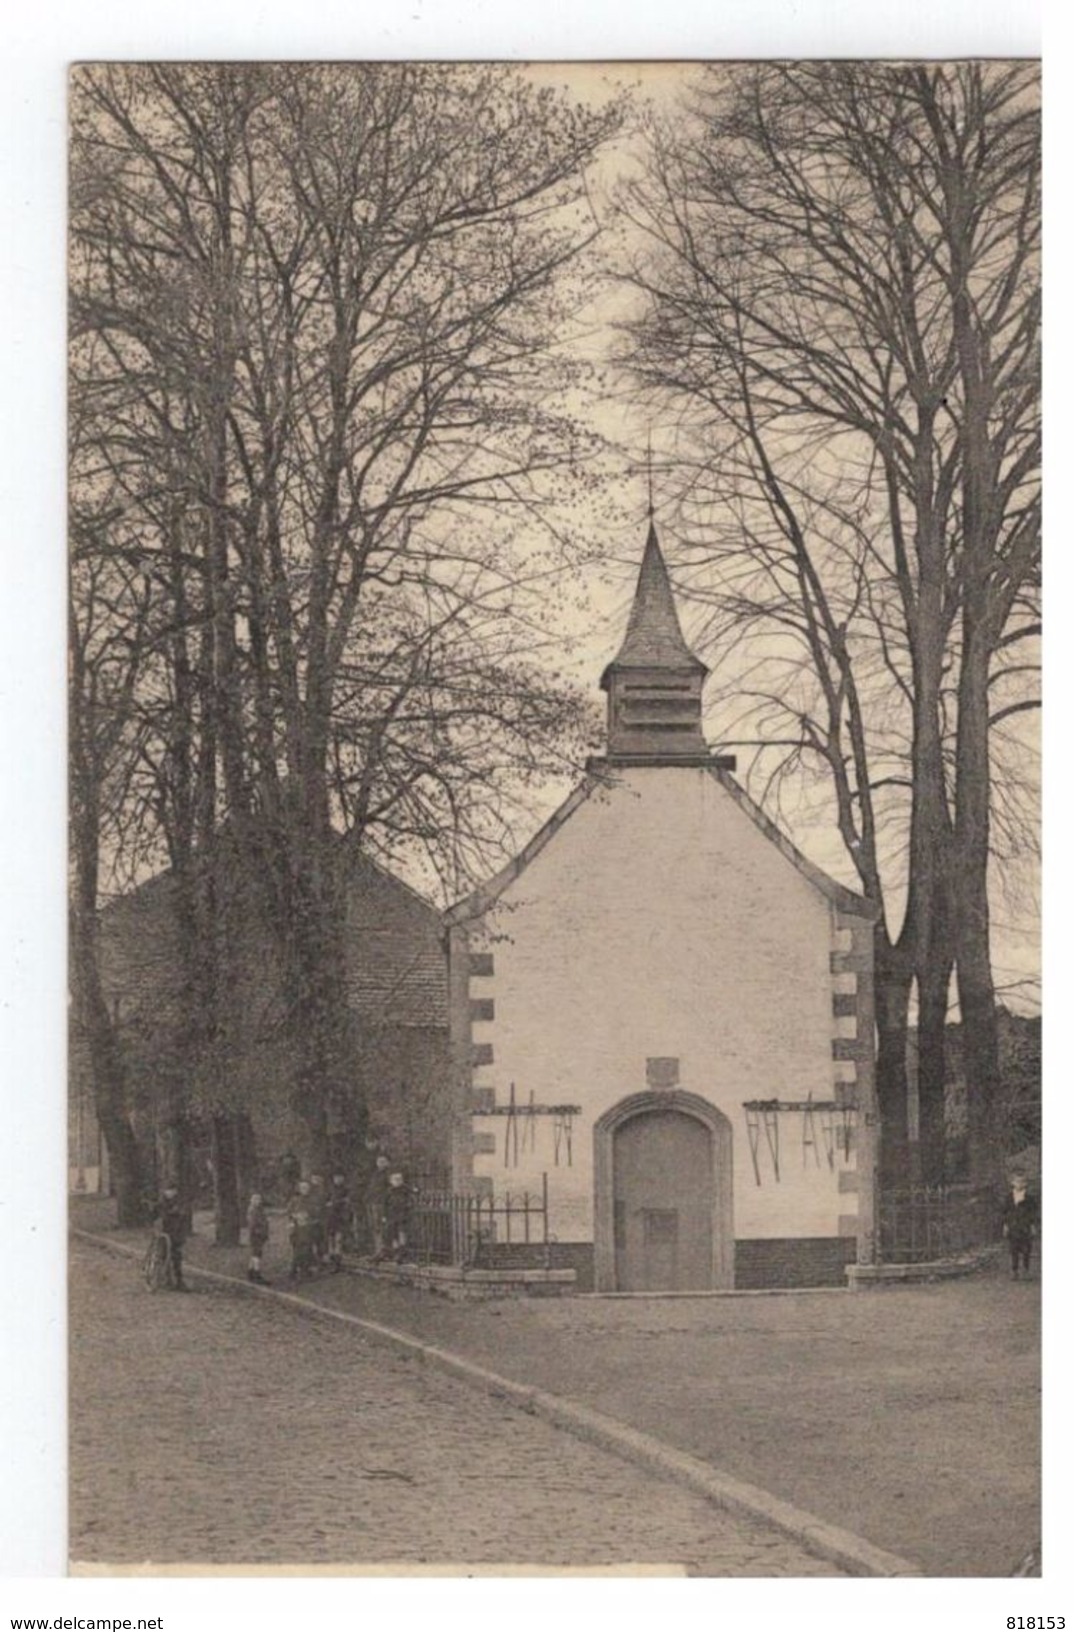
(158, 1268)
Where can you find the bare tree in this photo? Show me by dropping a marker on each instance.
(842, 308)
(108, 615)
(318, 303)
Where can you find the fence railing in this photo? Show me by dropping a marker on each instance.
(926, 1222)
(447, 1228)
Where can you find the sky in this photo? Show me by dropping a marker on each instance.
(593, 621)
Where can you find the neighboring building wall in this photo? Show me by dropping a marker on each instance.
(660, 922)
(396, 983)
(403, 1074)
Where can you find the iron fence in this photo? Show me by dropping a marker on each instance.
(924, 1223)
(472, 1230)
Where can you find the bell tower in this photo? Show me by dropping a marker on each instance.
(654, 683)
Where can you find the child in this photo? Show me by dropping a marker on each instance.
(397, 1215)
(301, 1231)
(175, 1224)
(258, 1225)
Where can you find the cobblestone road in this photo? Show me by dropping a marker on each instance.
(216, 1428)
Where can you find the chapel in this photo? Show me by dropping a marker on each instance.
(661, 1012)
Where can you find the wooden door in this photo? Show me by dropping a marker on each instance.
(663, 1203)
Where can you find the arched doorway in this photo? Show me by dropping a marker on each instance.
(663, 1218)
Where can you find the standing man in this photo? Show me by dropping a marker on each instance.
(1020, 1219)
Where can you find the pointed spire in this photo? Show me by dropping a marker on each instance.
(654, 637)
(654, 682)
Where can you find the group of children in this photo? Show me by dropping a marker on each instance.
(322, 1219)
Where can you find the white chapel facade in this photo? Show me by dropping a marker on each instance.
(666, 1009)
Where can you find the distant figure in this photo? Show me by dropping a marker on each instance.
(300, 1230)
(1020, 1219)
(174, 1220)
(258, 1226)
(397, 1216)
(338, 1219)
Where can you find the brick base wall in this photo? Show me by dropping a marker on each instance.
(811, 1261)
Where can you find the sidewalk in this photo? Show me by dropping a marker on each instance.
(909, 1416)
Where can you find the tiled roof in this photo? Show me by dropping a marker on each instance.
(396, 972)
(396, 968)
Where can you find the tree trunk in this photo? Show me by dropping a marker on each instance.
(969, 880)
(313, 931)
(933, 988)
(980, 1043)
(980, 632)
(174, 1160)
(124, 1166)
(319, 1030)
(930, 838)
(90, 1005)
(225, 1181)
(247, 1178)
(102, 1043)
(892, 978)
(109, 1080)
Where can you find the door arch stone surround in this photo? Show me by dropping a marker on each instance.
(604, 1130)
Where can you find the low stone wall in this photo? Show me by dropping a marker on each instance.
(574, 1255)
(467, 1285)
(861, 1277)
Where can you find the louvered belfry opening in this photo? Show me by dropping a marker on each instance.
(654, 683)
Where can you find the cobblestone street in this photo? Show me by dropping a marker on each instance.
(221, 1429)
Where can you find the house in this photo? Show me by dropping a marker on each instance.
(397, 1040)
(665, 1010)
